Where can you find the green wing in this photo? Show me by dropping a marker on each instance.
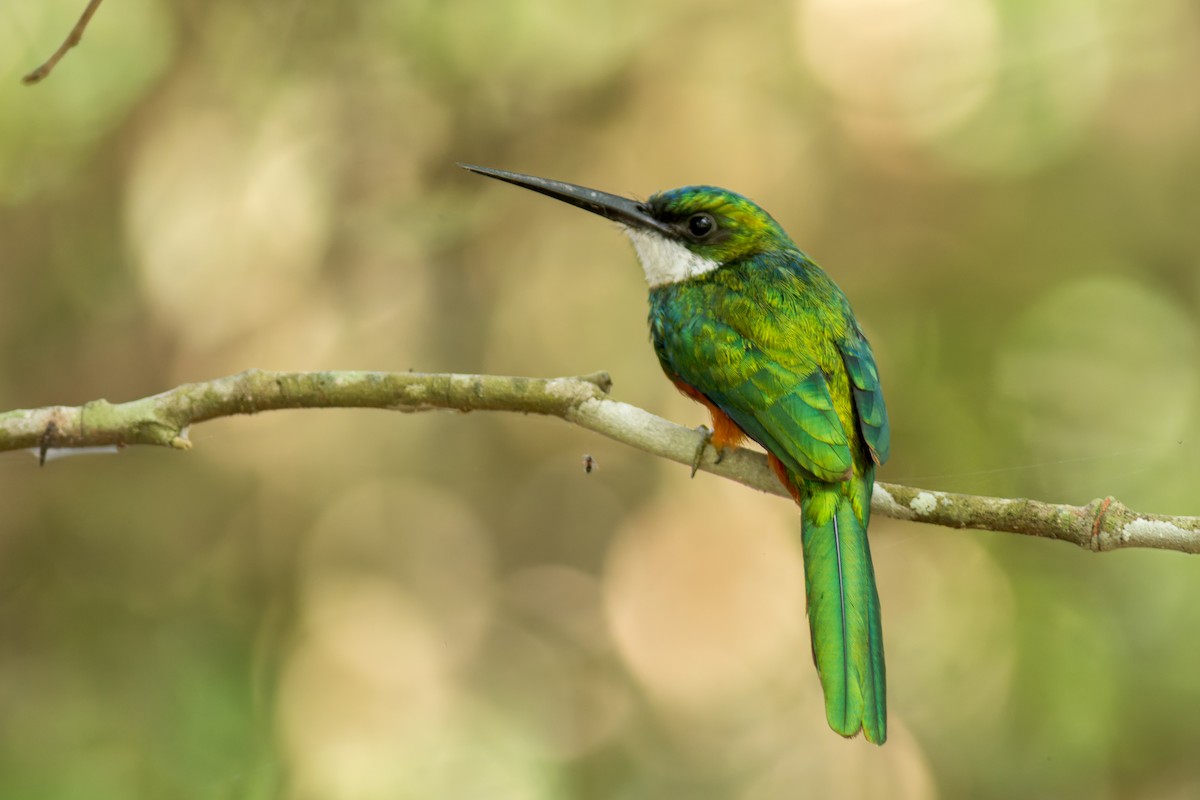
(790, 414)
(764, 372)
(868, 395)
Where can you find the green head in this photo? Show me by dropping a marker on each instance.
(680, 233)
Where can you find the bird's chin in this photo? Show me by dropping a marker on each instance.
(666, 261)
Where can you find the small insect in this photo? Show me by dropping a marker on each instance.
(589, 463)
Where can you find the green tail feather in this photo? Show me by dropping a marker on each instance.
(843, 605)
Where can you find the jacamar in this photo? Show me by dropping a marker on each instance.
(745, 323)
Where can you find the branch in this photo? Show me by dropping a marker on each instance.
(163, 419)
(73, 38)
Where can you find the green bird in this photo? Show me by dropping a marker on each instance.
(747, 324)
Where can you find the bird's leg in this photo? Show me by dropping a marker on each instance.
(723, 435)
(706, 437)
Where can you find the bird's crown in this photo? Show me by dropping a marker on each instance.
(716, 223)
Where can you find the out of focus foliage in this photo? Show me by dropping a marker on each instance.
(362, 605)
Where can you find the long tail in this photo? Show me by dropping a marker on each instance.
(843, 605)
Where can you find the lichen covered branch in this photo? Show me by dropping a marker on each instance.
(164, 419)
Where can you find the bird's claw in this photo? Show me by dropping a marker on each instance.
(698, 456)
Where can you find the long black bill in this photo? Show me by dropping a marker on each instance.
(614, 207)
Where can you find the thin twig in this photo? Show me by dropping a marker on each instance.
(163, 419)
(73, 38)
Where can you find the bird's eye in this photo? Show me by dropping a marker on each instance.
(701, 225)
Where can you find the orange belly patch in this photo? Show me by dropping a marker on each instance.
(726, 432)
(781, 472)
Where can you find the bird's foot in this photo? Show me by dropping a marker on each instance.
(698, 456)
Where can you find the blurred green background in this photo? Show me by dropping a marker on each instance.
(361, 605)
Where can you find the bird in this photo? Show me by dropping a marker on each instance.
(746, 324)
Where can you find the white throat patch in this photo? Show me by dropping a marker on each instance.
(665, 261)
